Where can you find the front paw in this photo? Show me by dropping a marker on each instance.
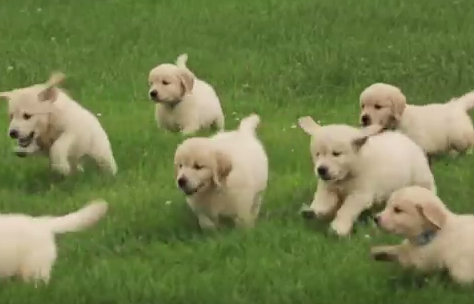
(340, 228)
(380, 253)
(307, 213)
(63, 169)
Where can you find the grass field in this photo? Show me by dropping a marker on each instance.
(282, 59)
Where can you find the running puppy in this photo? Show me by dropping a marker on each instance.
(184, 102)
(436, 238)
(359, 168)
(437, 127)
(27, 243)
(43, 118)
(224, 175)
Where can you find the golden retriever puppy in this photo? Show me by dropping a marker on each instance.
(184, 102)
(27, 243)
(224, 175)
(437, 127)
(43, 118)
(358, 168)
(435, 238)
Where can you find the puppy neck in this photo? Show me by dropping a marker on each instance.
(424, 238)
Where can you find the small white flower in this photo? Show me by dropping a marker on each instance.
(293, 126)
(39, 9)
(168, 202)
(9, 68)
(99, 114)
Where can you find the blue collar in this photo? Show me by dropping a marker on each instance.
(425, 238)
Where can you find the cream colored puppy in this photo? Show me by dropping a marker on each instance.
(224, 175)
(436, 238)
(437, 127)
(27, 243)
(184, 102)
(359, 168)
(43, 118)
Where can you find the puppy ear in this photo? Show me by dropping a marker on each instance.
(50, 92)
(399, 103)
(366, 133)
(222, 167)
(432, 213)
(187, 80)
(308, 125)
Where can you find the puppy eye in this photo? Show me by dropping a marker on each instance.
(362, 106)
(317, 154)
(397, 210)
(165, 82)
(197, 167)
(26, 116)
(377, 107)
(336, 154)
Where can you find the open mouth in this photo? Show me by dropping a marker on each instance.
(191, 191)
(26, 141)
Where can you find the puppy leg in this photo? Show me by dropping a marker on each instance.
(220, 123)
(205, 222)
(462, 273)
(105, 159)
(60, 152)
(190, 128)
(350, 210)
(324, 203)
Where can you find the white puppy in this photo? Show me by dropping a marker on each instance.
(360, 168)
(436, 127)
(185, 103)
(224, 175)
(436, 238)
(27, 243)
(44, 118)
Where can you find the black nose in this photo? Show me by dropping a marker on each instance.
(13, 133)
(365, 120)
(182, 181)
(154, 94)
(323, 171)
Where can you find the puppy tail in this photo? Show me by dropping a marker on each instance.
(466, 101)
(249, 124)
(78, 220)
(181, 61)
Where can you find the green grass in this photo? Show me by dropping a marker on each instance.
(282, 59)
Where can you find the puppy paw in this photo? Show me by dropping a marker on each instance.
(340, 228)
(63, 169)
(380, 253)
(307, 213)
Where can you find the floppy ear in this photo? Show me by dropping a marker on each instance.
(50, 92)
(222, 167)
(308, 125)
(366, 133)
(187, 79)
(398, 105)
(432, 213)
(359, 142)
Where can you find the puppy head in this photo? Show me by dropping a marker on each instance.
(169, 83)
(411, 211)
(335, 148)
(29, 108)
(381, 104)
(199, 166)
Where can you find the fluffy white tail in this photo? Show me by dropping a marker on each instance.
(76, 221)
(466, 101)
(181, 61)
(249, 123)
